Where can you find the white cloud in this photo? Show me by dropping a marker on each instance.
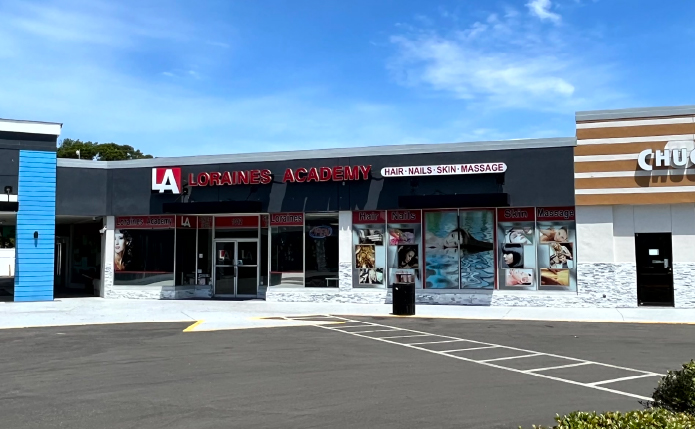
(541, 9)
(504, 60)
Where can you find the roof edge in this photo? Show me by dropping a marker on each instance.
(632, 113)
(30, 127)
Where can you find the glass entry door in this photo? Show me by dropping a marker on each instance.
(236, 268)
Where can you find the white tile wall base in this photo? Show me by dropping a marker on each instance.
(345, 275)
(136, 293)
(601, 285)
(607, 285)
(166, 292)
(354, 296)
(684, 284)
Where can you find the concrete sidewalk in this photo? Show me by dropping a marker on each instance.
(248, 314)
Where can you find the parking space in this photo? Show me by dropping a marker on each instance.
(622, 380)
(363, 372)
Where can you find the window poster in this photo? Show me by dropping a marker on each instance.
(441, 250)
(404, 237)
(556, 235)
(144, 250)
(476, 240)
(459, 249)
(516, 247)
(368, 239)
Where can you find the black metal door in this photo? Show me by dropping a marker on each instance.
(654, 269)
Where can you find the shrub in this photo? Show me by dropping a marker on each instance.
(653, 418)
(676, 390)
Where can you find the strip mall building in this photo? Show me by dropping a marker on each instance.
(603, 219)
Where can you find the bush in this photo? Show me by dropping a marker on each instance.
(653, 418)
(676, 390)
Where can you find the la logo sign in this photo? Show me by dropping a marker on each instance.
(166, 179)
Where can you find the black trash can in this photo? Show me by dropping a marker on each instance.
(404, 299)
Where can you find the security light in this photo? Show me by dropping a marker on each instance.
(36, 235)
(8, 190)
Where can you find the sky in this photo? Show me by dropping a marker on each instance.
(184, 77)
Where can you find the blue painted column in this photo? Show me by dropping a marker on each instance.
(37, 207)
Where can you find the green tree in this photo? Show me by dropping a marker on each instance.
(68, 148)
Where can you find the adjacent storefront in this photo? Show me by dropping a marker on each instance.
(634, 180)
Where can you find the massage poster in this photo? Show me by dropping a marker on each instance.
(557, 246)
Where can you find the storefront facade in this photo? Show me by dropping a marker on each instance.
(468, 223)
(635, 187)
(606, 219)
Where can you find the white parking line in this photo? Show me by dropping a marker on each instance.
(470, 348)
(615, 380)
(376, 330)
(559, 366)
(595, 385)
(512, 357)
(435, 342)
(402, 336)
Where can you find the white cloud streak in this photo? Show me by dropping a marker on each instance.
(504, 61)
(541, 9)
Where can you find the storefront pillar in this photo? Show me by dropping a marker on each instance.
(107, 254)
(345, 250)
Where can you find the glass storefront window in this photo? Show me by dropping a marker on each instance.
(144, 251)
(404, 236)
(186, 250)
(286, 249)
(517, 248)
(204, 268)
(556, 236)
(369, 255)
(7, 236)
(459, 249)
(321, 250)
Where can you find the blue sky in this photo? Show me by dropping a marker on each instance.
(187, 77)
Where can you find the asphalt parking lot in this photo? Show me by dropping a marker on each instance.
(331, 376)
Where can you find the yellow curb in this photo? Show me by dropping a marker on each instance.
(193, 326)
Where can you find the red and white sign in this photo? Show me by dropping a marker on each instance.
(145, 222)
(516, 214)
(245, 177)
(186, 222)
(237, 222)
(340, 173)
(193, 222)
(405, 216)
(444, 170)
(555, 213)
(166, 179)
(287, 219)
(369, 216)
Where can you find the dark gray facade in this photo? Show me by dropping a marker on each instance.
(539, 173)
